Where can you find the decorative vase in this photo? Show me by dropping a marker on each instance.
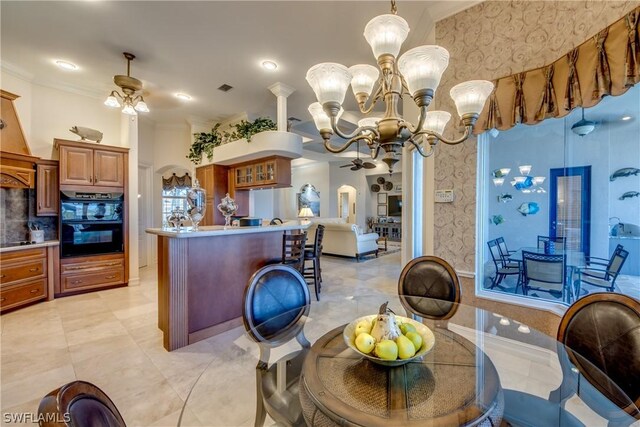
(228, 207)
(176, 218)
(196, 199)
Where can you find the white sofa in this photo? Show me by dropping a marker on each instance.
(341, 238)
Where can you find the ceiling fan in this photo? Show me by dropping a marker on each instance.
(357, 164)
(584, 127)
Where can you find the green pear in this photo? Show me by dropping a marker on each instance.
(365, 343)
(387, 350)
(406, 349)
(416, 339)
(407, 327)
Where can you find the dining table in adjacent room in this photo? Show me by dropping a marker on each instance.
(477, 358)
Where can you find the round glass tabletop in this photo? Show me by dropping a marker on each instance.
(483, 367)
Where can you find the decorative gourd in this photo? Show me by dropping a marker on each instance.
(385, 326)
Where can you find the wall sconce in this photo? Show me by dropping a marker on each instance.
(537, 180)
(498, 181)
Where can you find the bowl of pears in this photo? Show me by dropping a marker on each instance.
(387, 339)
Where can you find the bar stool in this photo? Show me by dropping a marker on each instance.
(313, 254)
(292, 251)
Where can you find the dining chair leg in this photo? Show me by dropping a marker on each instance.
(261, 412)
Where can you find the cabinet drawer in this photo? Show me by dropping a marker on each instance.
(93, 279)
(13, 296)
(12, 271)
(92, 266)
(21, 255)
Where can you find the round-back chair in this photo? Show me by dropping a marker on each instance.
(432, 278)
(601, 334)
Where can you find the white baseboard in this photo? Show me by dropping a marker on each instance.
(134, 281)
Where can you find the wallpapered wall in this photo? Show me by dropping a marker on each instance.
(487, 41)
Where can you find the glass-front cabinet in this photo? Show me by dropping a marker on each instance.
(270, 171)
(240, 177)
(249, 175)
(260, 173)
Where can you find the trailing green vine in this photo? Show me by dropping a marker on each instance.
(205, 142)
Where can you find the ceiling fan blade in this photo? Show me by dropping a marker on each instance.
(346, 166)
(355, 168)
(369, 165)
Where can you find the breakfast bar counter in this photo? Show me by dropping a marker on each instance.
(202, 275)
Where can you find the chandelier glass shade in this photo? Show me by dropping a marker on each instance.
(417, 73)
(132, 103)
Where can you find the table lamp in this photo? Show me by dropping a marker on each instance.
(305, 213)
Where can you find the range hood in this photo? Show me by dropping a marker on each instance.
(17, 165)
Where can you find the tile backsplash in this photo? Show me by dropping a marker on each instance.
(17, 209)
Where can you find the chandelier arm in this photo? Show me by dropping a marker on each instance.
(465, 135)
(422, 153)
(376, 97)
(418, 129)
(357, 132)
(116, 93)
(327, 143)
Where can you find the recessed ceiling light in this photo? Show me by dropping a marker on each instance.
(183, 96)
(65, 65)
(269, 65)
(625, 118)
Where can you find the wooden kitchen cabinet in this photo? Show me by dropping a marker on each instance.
(47, 192)
(213, 179)
(273, 172)
(91, 273)
(27, 276)
(84, 164)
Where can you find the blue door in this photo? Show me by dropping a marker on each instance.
(570, 206)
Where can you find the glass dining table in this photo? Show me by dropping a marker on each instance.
(483, 368)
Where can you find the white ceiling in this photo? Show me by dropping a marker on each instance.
(194, 47)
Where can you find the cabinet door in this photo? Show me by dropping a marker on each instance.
(76, 166)
(47, 192)
(270, 172)
(261, 175)
(249, 174)
(240, 177)
(108, 168)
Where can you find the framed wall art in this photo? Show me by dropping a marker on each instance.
(382, 198)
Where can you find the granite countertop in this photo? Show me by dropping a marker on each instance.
(11, 247)
(220, 230)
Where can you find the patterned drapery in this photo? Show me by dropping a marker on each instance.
(606, 64)
(175, 181)
(632, 61)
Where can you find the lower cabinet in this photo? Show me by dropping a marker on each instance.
(26, 276)
(91, 273)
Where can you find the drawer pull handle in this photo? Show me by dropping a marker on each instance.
(75, 282)
(33, 291)
(34, 269)
(2, 276)
(113, 263)
(110, 277)
(3, 299)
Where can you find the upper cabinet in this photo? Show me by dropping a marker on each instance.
(272, 172)
(47, 192)
(81, 164)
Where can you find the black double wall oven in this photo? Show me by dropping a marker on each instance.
(91, 223)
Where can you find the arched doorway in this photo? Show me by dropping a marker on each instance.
(347, 203)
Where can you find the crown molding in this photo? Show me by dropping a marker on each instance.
(16, 71)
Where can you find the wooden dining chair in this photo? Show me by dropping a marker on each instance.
(429, 287)
(606, 277)
(546, 273)
(79, 404)
(501, 270)
(312, 255)
(601, 335)
(276, 305)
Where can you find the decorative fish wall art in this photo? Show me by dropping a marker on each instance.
(530, 208)
(623, 173)
(505, 197)
(527, 183)
(497, 219)
(629, 194)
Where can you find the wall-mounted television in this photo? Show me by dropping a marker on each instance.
(394, 206)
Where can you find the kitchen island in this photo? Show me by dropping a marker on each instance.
(202, 276)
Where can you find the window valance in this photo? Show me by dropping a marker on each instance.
(175, 181)
(606, 64)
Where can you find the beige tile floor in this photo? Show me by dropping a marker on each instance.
(110, 338)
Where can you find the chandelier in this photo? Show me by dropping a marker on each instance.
(417, 73)
(130, 86)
